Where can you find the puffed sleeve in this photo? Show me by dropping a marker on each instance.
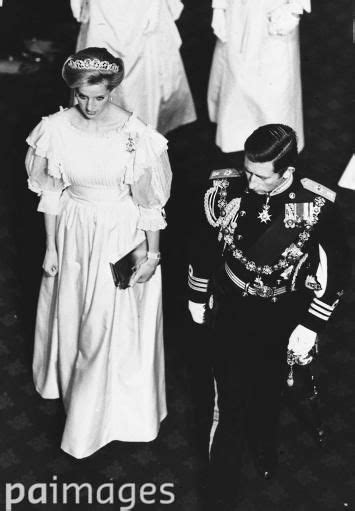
(44, 167)
(150, 179)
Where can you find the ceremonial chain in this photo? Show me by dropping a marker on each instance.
(227, 227)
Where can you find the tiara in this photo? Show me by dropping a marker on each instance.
(93, 65)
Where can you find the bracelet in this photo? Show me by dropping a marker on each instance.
(154, 255)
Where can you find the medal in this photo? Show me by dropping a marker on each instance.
(297, 213)
(264, 215)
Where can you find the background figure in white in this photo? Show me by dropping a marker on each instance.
(347, 179)
(255, 75)
(143, 33)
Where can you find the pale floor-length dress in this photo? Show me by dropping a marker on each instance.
(98, 347)
(255, 77)
(144, 34)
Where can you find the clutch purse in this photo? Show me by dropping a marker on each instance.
(123, 269)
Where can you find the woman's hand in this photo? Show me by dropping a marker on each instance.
(50, 263)
(144, 272)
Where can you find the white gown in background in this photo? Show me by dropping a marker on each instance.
(98, 347)
(347, 179)
(143, 33)
(255, 76)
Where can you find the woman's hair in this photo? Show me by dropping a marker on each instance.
(92, 66)
(273, 142)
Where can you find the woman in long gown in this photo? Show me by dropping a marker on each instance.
(103, 177)
(255, 76)
(144, 34)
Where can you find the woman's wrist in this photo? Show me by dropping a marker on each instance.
(153, 255)
(152, 262)
(50, 242)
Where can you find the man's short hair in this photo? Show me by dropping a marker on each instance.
(273, 142)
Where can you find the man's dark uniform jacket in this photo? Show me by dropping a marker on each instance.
(294, 241)
(263, 264)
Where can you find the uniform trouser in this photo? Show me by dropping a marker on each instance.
(249, 347)
(199, 358)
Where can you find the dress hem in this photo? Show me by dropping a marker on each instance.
(43, 396)
(106, 442)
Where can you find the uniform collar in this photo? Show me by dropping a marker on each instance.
(282, 187)
(290, 183)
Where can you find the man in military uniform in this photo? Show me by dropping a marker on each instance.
(266, 273)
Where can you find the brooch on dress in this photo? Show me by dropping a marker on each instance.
(130, 145)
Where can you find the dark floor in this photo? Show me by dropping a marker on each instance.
(310, 478)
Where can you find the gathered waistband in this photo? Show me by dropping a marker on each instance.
(97, 194)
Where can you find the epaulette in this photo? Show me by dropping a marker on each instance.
(319, 189)
(225, 173)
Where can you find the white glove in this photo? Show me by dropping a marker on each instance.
(302, 341)
(219, 24)
(197, 311)
(285, 18)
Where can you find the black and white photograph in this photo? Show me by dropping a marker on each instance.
(177, 245)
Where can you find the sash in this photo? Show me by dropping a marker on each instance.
(268, 249)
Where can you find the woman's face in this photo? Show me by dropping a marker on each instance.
(92, 99)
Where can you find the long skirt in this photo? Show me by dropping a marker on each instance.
(98, 347)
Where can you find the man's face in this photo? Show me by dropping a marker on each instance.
(261, 177)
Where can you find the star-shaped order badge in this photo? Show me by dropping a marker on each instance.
(264, 215)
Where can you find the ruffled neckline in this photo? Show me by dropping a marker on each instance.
(108, 133)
